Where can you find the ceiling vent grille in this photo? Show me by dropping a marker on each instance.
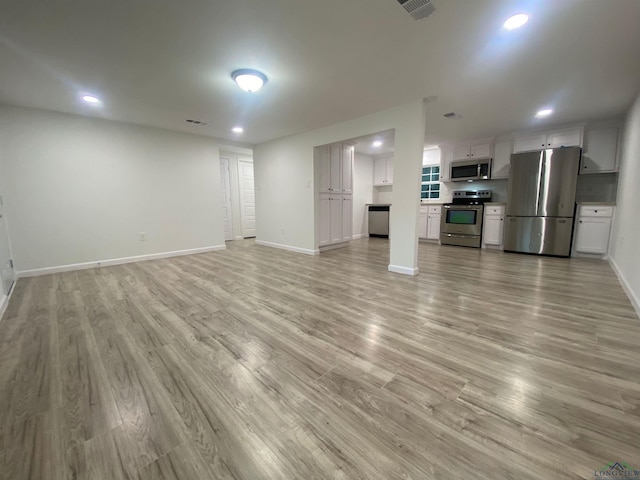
(418, 9)
(197, 122)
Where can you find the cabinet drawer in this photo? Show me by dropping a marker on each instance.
(437, 209)
(596, 211)
(499, 210)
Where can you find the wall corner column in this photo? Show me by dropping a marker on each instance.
(405, 197)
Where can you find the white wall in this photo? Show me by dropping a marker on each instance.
(80, 190)
(286, 185)
(626, 226)
(362, 193)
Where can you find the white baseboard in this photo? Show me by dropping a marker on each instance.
(5, 300)
(281, 246)
(3, 305)
(335, 246)
(626, 287)
(116, 261)
(403, 270)
(238, 237)
(360, 235)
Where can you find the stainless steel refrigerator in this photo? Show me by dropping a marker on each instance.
(541, 201)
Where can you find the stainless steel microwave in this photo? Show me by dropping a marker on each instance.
(466, 170)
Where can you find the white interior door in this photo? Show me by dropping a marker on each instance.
(6, 264)
(247, 199)
(225, 184)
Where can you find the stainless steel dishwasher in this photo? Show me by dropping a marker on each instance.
(379, 221)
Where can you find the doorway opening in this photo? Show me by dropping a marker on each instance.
(238, 195)
(354, 176)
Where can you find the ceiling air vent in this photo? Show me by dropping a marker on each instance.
(451, 115)
(196, 122)
(418, 9)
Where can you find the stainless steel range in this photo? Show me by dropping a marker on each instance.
(461, 222)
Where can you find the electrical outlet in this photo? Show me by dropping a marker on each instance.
(143, 236)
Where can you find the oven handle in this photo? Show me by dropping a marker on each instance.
(454, 235)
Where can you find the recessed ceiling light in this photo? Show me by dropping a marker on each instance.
(516, 21)
(545, 112)
(91, 99)
(377, 143)
(237, 129)
(249, 80)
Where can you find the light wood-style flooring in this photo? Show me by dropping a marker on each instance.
(254, 363)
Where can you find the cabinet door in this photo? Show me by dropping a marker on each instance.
(336, 218)
(600, 151)
(433, 226)
(347, 218)
(347, 169)
(322, 155)
(527, 143)
(445, 160)
(493, 229)
(480, 150)
(422, 226)
(564, 138)
(379, 171)
(501, 159)
(335, 160)
(461, 152)
(325, 220)
(593, 235)
(389, 171)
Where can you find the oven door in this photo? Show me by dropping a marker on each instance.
(461, 219)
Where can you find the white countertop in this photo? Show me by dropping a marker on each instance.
(598, 204)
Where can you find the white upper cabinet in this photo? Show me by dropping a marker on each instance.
(566, 137)
(336, 168)
(502, 151)
(347, 168)
(600, 151)
(446, 155)
(383, 171)
(468, 151)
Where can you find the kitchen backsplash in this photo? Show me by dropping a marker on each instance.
(382, 194)
(591, 188)
(498, 189)
(602, 187)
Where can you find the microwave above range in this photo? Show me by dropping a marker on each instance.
(470, 170)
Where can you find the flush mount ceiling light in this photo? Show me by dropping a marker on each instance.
(545, 112)
(237, 130)
(377, 143)
(249, 80)
(90, 99)
(516, 21)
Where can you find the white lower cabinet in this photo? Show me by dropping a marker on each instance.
(336, 219)
(429, 224)
(593, 229)
(493, 225)
(347, 218)
(422, 224)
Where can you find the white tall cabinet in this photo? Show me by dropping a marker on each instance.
(335, 167)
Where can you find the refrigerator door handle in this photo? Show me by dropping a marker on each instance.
(541, 173)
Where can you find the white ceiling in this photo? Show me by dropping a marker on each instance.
(159, 63)
(364, 144)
